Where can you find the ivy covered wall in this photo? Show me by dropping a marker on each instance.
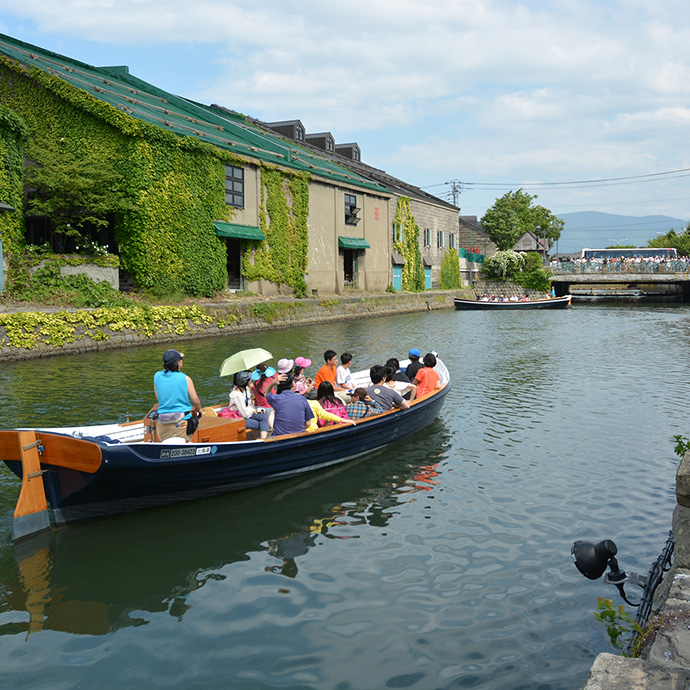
(13, 135)
(176, 183)
(283, 213)
(413, 270)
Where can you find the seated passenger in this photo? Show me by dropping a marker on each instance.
(241, 400)
(415, 363)
(409, 390)
(427, 379)
(303, 385)
(292, 411)
(322, 417)
(362, 405)
(386, 397)
(326, 398)
(343, 377)
(262, 378)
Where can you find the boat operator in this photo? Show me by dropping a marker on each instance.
(176, 396)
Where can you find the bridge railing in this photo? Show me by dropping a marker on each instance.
(622, 267)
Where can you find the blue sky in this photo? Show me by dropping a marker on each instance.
(494, 94)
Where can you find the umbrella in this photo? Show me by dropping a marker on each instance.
(244, 359)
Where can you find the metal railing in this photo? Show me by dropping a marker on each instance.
(621, 267)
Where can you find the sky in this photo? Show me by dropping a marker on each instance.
(585, 104)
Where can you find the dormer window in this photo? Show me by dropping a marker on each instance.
(330, 146)
(299, 133)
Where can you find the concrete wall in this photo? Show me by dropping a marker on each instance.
(97, 273)
(278, 314)
(327, 223)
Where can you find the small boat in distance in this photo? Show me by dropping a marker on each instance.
(91, 471)
(546, 303)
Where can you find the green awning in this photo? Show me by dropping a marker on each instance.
(353, 243)
(237, 232)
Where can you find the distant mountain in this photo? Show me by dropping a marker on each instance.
(596, 230)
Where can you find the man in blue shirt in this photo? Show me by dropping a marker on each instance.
(292, 411)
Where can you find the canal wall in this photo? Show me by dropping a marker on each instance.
(664, 663)
(26, 334)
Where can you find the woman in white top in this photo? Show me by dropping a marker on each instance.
(241, 400)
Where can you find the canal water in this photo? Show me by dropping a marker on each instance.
(439, 562)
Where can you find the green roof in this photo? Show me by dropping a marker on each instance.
(217, 126)
(238, 232)
(352, 243)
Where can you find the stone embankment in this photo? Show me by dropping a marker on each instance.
(665, 660)
(27, 334)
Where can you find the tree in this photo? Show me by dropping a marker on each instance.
(76, 191)
(681, 242)
(513, 215)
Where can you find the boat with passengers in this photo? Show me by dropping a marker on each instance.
(73, 473)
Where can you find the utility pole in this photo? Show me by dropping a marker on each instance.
(456, 189)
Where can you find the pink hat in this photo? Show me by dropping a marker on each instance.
(302, 362)
(284, 365)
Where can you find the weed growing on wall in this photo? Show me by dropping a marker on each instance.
(13, 135)
(413, 270)
(282, 257)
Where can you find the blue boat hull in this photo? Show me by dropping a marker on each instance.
(144, 475)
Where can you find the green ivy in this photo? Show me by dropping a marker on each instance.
(177, 183)
(449, 277)
(413, 270)
(29, 329)
(13, 135)
(283, 212)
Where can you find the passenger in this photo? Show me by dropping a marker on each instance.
(343, 376)
(292, 411)
(322, 417)
(362, 405)
(303, 385)
(393, 380)
(241, 400)
(328, 373)
(427, 379)
(326, 398)
(397, 374)
(262, 378)
(386, 397)
(176, 396)
(415, 363)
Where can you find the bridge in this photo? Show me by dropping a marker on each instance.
(670, 278)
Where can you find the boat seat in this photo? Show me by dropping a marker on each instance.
(220, 430)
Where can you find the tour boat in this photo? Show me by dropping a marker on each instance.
(90, 471)
(546, 303)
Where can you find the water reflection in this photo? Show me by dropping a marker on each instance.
(96, 577)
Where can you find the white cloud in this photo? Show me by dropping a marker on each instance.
(550, 89)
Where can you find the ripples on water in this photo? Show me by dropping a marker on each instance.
(442, 562)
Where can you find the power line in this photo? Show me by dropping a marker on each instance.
(603, 182)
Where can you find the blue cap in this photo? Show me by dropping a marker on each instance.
(414, 352)
(270, 371)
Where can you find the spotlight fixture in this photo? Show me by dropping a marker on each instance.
(593, 559)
